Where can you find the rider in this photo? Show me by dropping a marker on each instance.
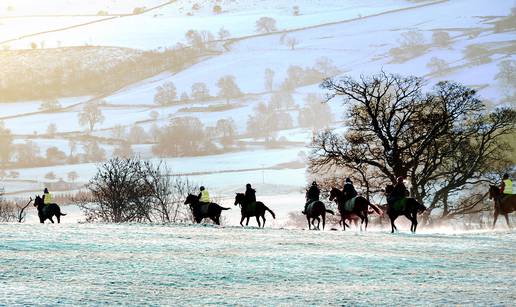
(250, 194)
(349, 190)
(312, 194)
(400, 190)
(47, 197)
(506, 185)
(204, 196)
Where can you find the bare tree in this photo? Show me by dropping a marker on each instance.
(72, 176)
(200, 91)
(441, 39)
(5, 144)
(223, 33)
(51, 130)
(228, 88)
(91, 115)
(165, 94)
(437, 66)
(266, 25)
(291, 42)
(442, 141)
(315, 114)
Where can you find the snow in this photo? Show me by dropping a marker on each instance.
(77, 264)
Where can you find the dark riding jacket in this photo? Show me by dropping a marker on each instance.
(313, 193)
(250, 195)
(399, 191)
(349, 191)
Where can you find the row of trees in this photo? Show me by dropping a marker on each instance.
(132, 190)
(297, 76)
(444, 140)
(166, 93)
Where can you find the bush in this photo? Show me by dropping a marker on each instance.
(132, 190)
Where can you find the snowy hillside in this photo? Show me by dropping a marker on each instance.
(309, 40)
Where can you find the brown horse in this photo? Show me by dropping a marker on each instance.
(254, 209)
(361, 208)
(504, 204)
(410, 210)
(313, 211)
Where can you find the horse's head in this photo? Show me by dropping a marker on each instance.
(38, 201)
(191, 200)
(239, 198)
(334, 193)
(494, 192)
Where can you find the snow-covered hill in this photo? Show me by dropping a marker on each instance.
(354, 37)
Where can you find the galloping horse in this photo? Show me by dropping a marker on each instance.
(252, 209)
(212, 210)
(313, 211)
(504, 204)
(360, 209)
(47, 211)
(410, 210)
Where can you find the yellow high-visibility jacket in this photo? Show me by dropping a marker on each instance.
(205, 196)
(507, 188)
(47, 198)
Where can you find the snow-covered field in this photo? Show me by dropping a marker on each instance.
(78, 264)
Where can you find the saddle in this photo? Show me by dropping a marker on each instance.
(399, 204)
(349, 205)
(204, 208)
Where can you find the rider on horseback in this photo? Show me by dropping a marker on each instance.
(399, 192)
(250, 194)
(506, 185)
(47, 197)
(312, 194)
(349, 190)
(204, 196)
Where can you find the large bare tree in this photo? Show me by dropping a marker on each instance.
(443, 140)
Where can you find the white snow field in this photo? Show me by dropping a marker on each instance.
(98, 264)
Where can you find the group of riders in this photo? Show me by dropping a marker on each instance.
(395, 196)
(399, 192)
(349, 192)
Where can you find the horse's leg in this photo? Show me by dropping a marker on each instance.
(50, 218)
(366, 220)
(242, 220)
(392, 223)
(258, 221)
(362, 218)
(308, 220)
(247, 221)
(495, 218)
(318, 223)
(507, 220)
(323, 220)
(58, 219)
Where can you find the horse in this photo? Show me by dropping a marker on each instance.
(361, 208)
(410, 211)
(248, 210)
(504, 204)
(212, 211)
(47, 211)
(313, 211)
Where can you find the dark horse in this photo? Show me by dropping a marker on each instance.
(410, 210)
(47, 211)
(504, 204)
(361, 208)
(257, 209)
(313, 211)
(213, 211)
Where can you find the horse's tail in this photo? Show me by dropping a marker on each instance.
(224, 208)
(273, 215)
(420, 207)
(60, 213)
(329, 211)
(376, 209)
